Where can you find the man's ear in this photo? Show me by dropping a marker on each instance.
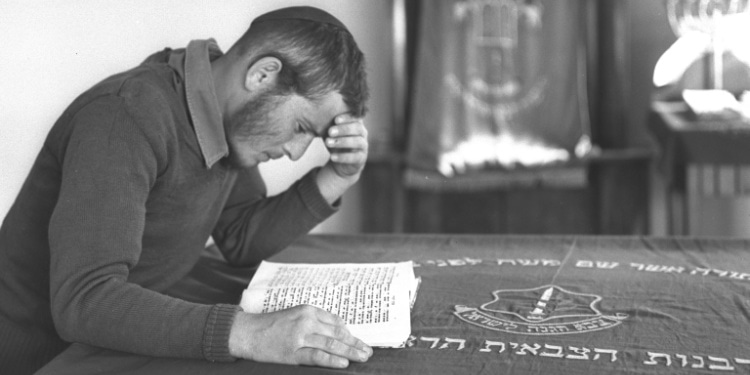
(263, 74)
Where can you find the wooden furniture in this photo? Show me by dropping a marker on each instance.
(698, 157)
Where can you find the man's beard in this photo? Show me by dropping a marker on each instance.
(252, 126)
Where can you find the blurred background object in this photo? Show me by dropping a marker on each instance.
(711, 30)
(499, 83)
(700, 118)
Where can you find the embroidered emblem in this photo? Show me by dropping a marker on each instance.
(546, 310)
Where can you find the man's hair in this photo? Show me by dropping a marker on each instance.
(317, 57)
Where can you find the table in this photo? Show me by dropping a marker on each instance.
(500, 304)
(718, 148)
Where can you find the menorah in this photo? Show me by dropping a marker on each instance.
(705, 16)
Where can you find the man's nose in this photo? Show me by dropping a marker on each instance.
(295, 148)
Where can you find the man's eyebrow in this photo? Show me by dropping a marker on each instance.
(313, 130)
(324, 133)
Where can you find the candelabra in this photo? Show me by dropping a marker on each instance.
(706, 17)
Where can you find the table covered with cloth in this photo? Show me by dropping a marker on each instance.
(496, 304)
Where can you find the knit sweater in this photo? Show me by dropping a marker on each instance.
(118, 207)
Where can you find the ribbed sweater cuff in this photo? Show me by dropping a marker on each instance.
(312, 198)
(216, 333)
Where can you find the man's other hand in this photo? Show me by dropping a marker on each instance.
(347, 142)
(301, 335)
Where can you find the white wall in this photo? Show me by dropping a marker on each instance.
(53, 50)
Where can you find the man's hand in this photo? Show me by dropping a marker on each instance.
(348, 145)
(347, 142)
(302, 335)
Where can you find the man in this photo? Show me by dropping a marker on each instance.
(142, 168)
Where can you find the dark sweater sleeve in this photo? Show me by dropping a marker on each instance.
(108, 166)
(253, 227)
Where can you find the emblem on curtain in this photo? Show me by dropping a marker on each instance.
(546, 310)
(494, 85)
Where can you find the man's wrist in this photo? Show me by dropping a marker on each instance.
(332, 186)
(217, 331)
(238, 338)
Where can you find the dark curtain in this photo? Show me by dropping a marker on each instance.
(498, 83)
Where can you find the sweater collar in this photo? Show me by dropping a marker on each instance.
(202, 101)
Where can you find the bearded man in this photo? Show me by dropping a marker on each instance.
(144, 167)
